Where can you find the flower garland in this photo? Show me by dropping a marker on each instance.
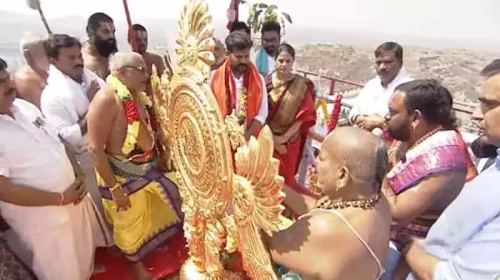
(334, 117)
(131, 112)
(242, 113)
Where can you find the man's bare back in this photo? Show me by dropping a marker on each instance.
(343, 255)
(95, 63)
(30, 84)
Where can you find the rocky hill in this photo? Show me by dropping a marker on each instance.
(456, 69)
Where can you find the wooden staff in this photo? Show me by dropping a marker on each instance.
(36, 5)
(130, 29)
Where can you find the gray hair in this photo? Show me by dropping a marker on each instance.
(121, 59)
(30, 40)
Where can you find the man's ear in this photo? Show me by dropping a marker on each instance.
(417, 118)
(343, 177)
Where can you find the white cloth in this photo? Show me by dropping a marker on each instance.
(374, 99)
(264, 107)
(62, 238)
(64, 102)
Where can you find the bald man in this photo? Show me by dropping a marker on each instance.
(348, 232)
(141, 203)
(31, 78)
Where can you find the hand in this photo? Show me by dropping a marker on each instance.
(279, 140)
(269, 82)
(370, 122)
(121, 200)
(281, 149)
(92, 90)
(75, 192)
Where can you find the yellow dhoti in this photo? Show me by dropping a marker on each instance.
(154, 215)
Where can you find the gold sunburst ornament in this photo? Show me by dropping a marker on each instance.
(217, 199)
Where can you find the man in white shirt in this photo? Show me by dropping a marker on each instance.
(65, 101)
(40, 197)
(372, 103)
(238, 86)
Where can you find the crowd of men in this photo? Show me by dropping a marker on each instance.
(400, 195)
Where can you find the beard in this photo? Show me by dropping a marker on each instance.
(270, 50)
(399, 133)
(105, 47)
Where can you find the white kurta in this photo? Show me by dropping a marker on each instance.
(62, 238)
(374, 98)
(64, 102)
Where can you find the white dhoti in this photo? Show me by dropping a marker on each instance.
(66, 250)
(87, 164)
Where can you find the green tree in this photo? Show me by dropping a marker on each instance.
(261, 12)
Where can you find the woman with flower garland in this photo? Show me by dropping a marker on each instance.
(140, 201)
(291, 115)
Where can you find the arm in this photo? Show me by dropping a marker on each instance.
(56, 113)
(411, 203)
(160, 65)
(23, 195)
(476, 259)
(261, 117)
(101, 115)
(304, 240)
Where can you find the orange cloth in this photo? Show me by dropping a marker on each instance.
(224, 89)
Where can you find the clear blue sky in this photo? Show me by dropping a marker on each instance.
(446, 19)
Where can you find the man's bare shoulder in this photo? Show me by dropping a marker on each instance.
(24, 72)
(105, 98)
(325, 225)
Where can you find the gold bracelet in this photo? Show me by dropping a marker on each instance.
(116, 186)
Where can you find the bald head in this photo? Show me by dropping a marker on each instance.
(131, 69)
(125, 59)
(361, 152)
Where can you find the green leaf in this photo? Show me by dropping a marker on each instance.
(287, 17)
(262, 5)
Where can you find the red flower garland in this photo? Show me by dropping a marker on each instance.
(334, 117)
(131, 111)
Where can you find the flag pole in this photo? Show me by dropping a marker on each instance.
(130, 29)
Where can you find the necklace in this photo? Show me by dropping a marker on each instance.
(327, 204)
(425, 137)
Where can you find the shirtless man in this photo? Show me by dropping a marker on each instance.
(141, 38)
(121, 139)
(31, 78)
(101, 44)
(347, 234)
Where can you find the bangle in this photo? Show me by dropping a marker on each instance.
(61, 202)
(116, 186)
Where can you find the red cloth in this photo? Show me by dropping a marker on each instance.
(161, 263)
(289, 162)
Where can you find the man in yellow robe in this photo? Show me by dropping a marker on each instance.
(141, 202)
